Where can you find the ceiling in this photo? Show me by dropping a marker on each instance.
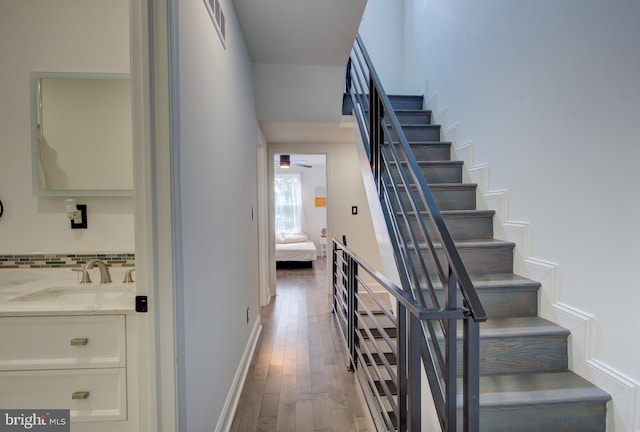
(299, 32)
(299, 50)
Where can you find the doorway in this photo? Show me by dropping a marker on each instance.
(298, 216)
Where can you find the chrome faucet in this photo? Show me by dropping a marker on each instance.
(105, 277)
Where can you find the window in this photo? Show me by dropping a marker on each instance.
(288, 203)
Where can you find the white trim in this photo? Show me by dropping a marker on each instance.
(231, 404)
(174, 365)
(147, 326)
(263, 219)
(451, 133)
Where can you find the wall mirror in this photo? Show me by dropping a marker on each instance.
(81, 134)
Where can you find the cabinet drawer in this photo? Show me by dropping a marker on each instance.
(62, 342)
(100, 393)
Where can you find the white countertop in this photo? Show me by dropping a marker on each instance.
(59, 291)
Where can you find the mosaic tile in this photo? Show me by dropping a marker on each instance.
(116, 259)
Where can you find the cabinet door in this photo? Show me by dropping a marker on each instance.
(90, 394)
(62, 342)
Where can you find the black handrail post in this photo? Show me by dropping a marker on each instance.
(350, 316)
(414, 392)
(334, 266)
(372, 120)
(379, 137)
(380, 142)
(403, 386)
(373, 129)
(451, 376)
(348, 80)
(471, 379)
(376, 132)
(353, 276)
(451, 346)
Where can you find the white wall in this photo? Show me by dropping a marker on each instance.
(217, 240)
(61, 36)
(381, 30)
(548, 93)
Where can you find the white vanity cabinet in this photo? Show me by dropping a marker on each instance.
(66, 362)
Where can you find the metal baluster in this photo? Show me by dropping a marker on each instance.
(471, 379)
(414, 392)
(451, 356)
(402, 341)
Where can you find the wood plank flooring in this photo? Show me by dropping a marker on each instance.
(298, 379)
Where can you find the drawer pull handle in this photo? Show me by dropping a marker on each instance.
(79, 341)
(79, 395)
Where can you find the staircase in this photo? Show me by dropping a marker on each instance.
(525, 383)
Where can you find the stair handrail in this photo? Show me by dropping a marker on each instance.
(378, 125)
(352, 280)
(473, 303)
(350, 275)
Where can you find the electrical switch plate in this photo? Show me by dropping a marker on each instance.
(82, 225)
(142, 304)
(354, 210)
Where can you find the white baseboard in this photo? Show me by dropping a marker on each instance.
(231, 404)
(623, 414)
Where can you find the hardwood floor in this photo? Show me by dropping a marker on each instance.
(298, 379)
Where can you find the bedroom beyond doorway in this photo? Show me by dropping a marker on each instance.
(300, 217)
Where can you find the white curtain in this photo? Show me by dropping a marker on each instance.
(288, 203)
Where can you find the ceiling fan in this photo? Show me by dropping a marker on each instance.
(286, 162)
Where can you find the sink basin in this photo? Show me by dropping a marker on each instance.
(75, 294)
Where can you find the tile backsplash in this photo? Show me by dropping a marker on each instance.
(45, 260)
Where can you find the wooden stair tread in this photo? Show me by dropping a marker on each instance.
(417, 125)
(534, 388)
(474, 244)
(511, 327)
(410, 111)
(497, 280)
(501, 279)
(421, 142)
(457, 213)
(431, 163)
(520, 326)
(436, 186)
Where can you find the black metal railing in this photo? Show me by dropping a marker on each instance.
(383, 339)
(431, 271)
